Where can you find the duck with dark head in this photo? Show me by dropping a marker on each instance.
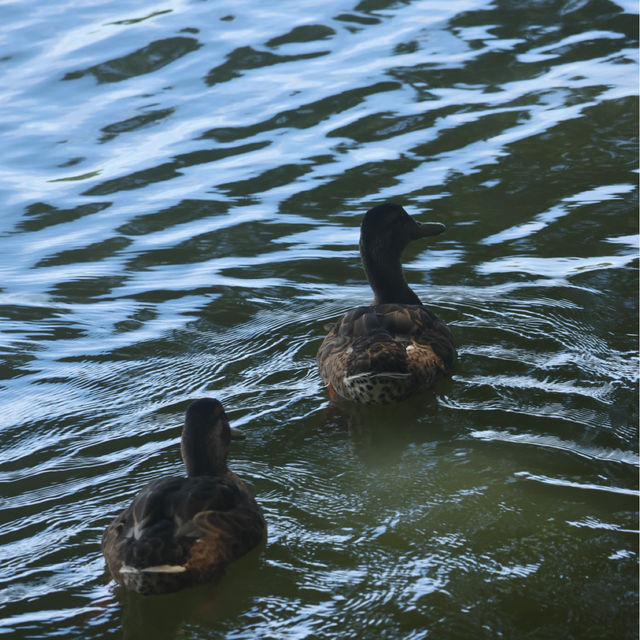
(395, 347)
(179, 532)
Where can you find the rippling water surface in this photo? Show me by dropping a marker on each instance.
(182, 185)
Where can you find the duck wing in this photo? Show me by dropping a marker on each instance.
(419, 326)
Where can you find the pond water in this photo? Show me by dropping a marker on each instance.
(182, 185)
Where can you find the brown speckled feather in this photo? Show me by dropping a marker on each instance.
(386, 352)
(193, 527)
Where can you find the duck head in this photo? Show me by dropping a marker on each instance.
(385, 232)
(205, 438)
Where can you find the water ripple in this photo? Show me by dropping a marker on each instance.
(182, 192)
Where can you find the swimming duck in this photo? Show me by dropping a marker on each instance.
(179, 531)
(395, 347)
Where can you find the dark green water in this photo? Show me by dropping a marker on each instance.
(182, 186)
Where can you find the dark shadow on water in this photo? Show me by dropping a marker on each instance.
(150, 58)
(382, 433)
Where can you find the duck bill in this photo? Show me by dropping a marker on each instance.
(236, 434)
(429, 229)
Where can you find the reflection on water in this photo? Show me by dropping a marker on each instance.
(182, 188)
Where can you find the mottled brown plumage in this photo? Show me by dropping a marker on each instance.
(396, 347)
(180, 531)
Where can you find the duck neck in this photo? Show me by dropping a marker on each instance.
(387, 279)
(200, 461)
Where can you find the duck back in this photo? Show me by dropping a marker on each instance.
(385, 353)
(182, 531)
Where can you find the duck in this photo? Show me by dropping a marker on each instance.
(182, 531)
(395, 347)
